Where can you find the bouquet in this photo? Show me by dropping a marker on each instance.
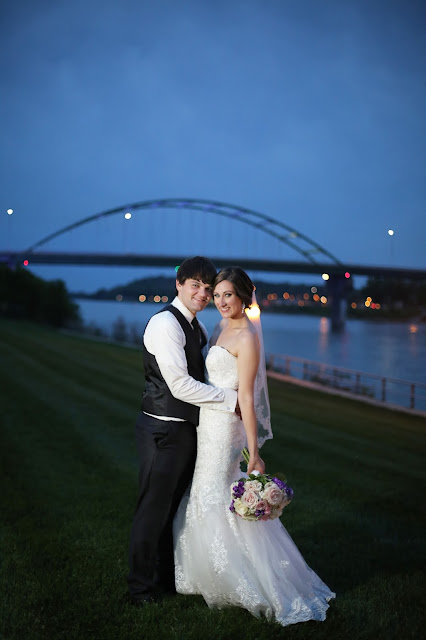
(260, 496)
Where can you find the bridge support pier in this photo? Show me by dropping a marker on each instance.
(336, 294)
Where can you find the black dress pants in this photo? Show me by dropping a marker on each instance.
(167, 452)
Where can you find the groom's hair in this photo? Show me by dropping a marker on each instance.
(197, 268)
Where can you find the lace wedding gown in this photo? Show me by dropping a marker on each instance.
(228, 560)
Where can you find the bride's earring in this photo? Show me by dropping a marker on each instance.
(242, 309)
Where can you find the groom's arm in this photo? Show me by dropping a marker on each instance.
(165, 340)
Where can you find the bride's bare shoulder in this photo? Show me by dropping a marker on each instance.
(248, 337)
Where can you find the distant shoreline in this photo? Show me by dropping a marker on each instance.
(412, 314)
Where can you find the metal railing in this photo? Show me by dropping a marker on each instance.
(411, 395)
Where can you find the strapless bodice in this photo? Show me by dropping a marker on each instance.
(221, 368)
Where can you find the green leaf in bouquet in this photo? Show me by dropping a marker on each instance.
(253, 476)
(280, 476)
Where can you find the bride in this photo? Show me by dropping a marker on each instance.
(228, 560)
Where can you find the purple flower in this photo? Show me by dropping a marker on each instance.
(231, 507)
(280, 484)
(289, 492)
(238, 489)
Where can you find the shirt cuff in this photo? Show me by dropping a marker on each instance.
(230, 401)
(227, 405)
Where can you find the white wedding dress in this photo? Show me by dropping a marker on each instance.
(228, 560)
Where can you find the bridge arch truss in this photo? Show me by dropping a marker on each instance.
(286, 234)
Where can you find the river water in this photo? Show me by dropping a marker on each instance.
(391, 349)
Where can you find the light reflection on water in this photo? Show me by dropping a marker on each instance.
(391, 349)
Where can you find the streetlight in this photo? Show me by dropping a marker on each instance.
(391, 232)
(9, 225)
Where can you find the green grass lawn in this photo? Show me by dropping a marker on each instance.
(68, 473)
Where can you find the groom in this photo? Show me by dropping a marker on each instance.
(166, 427)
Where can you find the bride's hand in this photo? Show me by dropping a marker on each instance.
(256, 464)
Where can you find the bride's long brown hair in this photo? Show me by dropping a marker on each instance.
(242, 284)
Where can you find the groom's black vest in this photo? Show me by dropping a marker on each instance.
(157, 398)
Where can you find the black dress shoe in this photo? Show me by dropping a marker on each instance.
(142, 599)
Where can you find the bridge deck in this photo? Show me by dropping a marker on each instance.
(250, 264)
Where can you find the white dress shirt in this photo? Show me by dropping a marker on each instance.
(165, 340)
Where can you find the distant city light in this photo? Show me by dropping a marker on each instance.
(314, 289)
(177, 268)
(325, 276)
(253, 311)
(119, 297)
(353, 305)
(347, 274)
(286, 295)
(324, 325)
(9, 212)
(164, 299)
(316, 297)
(323, 299)
(391, 232)
(128, 215)
(306, 296)
(413, 328)
(142, 298)
(25, 263)
(157, 298)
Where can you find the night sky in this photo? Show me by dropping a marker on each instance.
(312, 112)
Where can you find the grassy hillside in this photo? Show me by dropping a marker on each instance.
(68, 476)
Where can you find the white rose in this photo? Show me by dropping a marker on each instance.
(273, 494)
(250, 499)
(253, 485)
(239, 507)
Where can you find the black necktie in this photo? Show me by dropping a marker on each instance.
(197, 331)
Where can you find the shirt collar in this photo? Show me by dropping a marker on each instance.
(184, 311)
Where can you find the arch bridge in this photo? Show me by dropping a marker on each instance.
(316, 259)
(309, 249)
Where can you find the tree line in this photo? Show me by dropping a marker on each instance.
(26, 296)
